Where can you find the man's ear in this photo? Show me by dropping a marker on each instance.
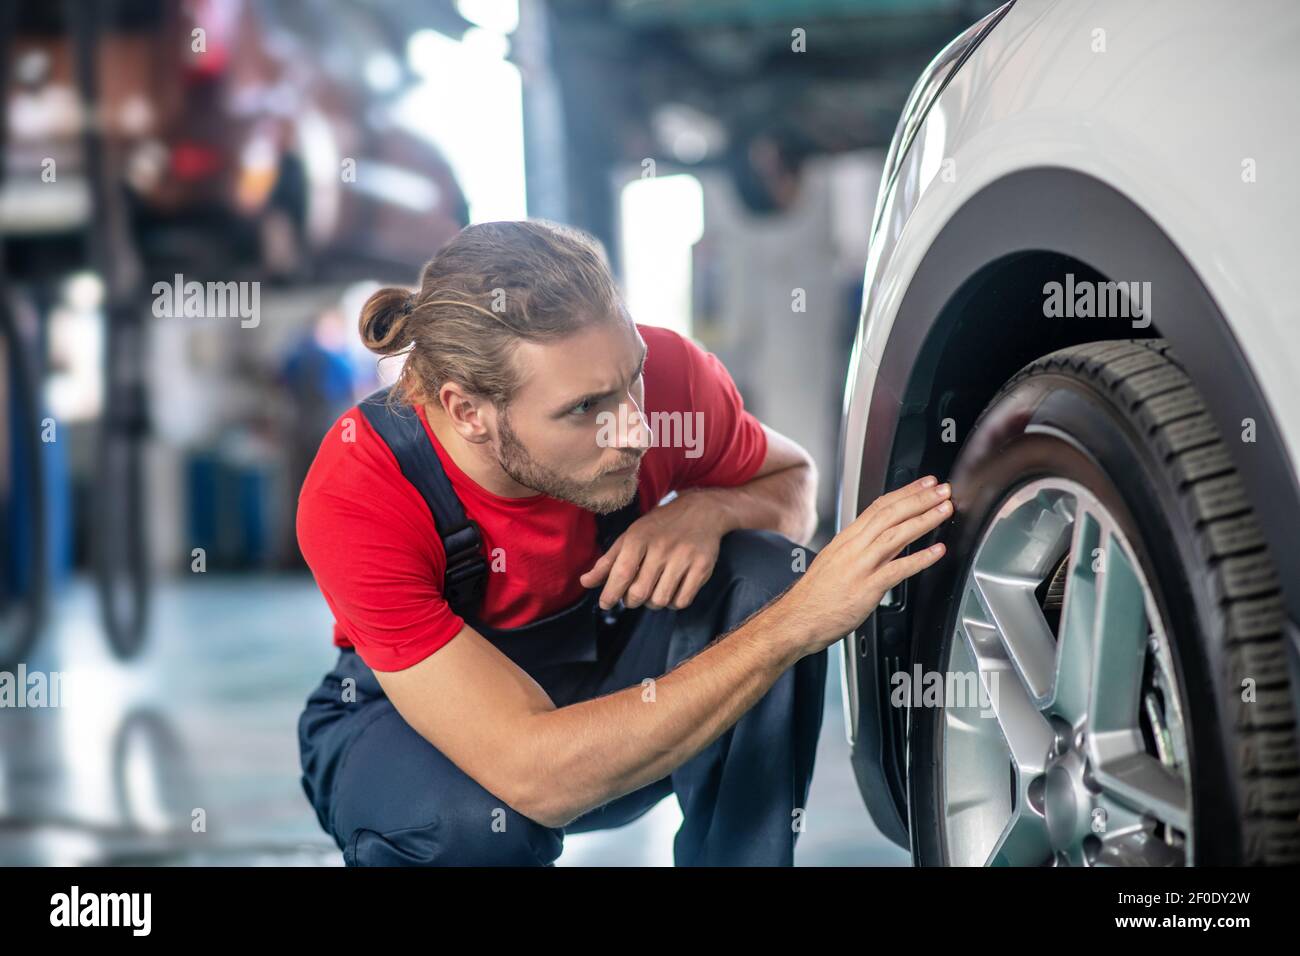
(468, 413)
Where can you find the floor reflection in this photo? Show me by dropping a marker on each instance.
(188, 754)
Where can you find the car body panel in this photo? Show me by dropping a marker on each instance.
(1157, 128)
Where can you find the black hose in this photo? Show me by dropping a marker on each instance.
(21, 624)
(120, 547)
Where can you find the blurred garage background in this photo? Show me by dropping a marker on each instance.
(727, 152)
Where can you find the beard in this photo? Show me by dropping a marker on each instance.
(602, 494)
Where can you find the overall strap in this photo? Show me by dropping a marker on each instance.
(400, 428)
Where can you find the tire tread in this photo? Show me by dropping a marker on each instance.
(1145, 377)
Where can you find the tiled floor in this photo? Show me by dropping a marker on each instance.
(188, 754)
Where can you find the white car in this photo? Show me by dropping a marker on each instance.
(1080, 308)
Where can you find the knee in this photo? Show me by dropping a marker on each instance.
(482, 834)
(766, 562)
(400, 802)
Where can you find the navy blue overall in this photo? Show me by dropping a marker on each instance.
(389, 798)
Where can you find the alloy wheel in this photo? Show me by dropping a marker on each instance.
(1075, 752)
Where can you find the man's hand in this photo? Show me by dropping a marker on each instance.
(553, 764)
(851, 574)
(664, 557)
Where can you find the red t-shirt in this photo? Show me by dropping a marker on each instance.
(372, 545)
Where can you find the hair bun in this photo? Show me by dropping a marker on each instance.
(383, 324)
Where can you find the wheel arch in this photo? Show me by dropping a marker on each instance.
(971, 317)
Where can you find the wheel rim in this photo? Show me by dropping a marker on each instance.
(1075, 752)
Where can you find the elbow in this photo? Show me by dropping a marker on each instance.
(534, 784)
(545, 803)
(551, 819)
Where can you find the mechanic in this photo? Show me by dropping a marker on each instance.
(535, 637)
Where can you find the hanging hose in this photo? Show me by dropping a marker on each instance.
(22, 616)
(120, 534)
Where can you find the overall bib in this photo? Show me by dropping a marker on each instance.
(388, 797)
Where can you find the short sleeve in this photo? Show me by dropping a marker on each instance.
(380, 568)
(733, 443)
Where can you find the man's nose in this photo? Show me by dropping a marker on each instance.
(633, 430)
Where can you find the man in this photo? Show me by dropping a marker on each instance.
(533, 641)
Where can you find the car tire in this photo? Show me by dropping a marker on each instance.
(1123, 421)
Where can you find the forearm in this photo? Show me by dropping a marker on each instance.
(589, 753)
(784, 501)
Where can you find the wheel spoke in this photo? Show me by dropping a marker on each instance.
(1023, 842)
(1143, 783)
(1012, 606)
(978, 797)
(1078, 623)
(1014, 561)
(1119, 643)
(1027, 732)
(1123, 768)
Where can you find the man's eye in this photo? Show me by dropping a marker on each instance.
(583, 407)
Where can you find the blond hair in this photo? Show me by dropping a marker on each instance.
(492, 286)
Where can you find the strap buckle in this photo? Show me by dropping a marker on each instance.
(465, 580)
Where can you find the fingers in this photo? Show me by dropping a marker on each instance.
(902, 508)
(626, 567)
(895, 539)
(669, 582)
(928, 481)
(895, 572)
(601, 568)
(647, 579)
(691, 584)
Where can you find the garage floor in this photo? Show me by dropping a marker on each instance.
(189, 754)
